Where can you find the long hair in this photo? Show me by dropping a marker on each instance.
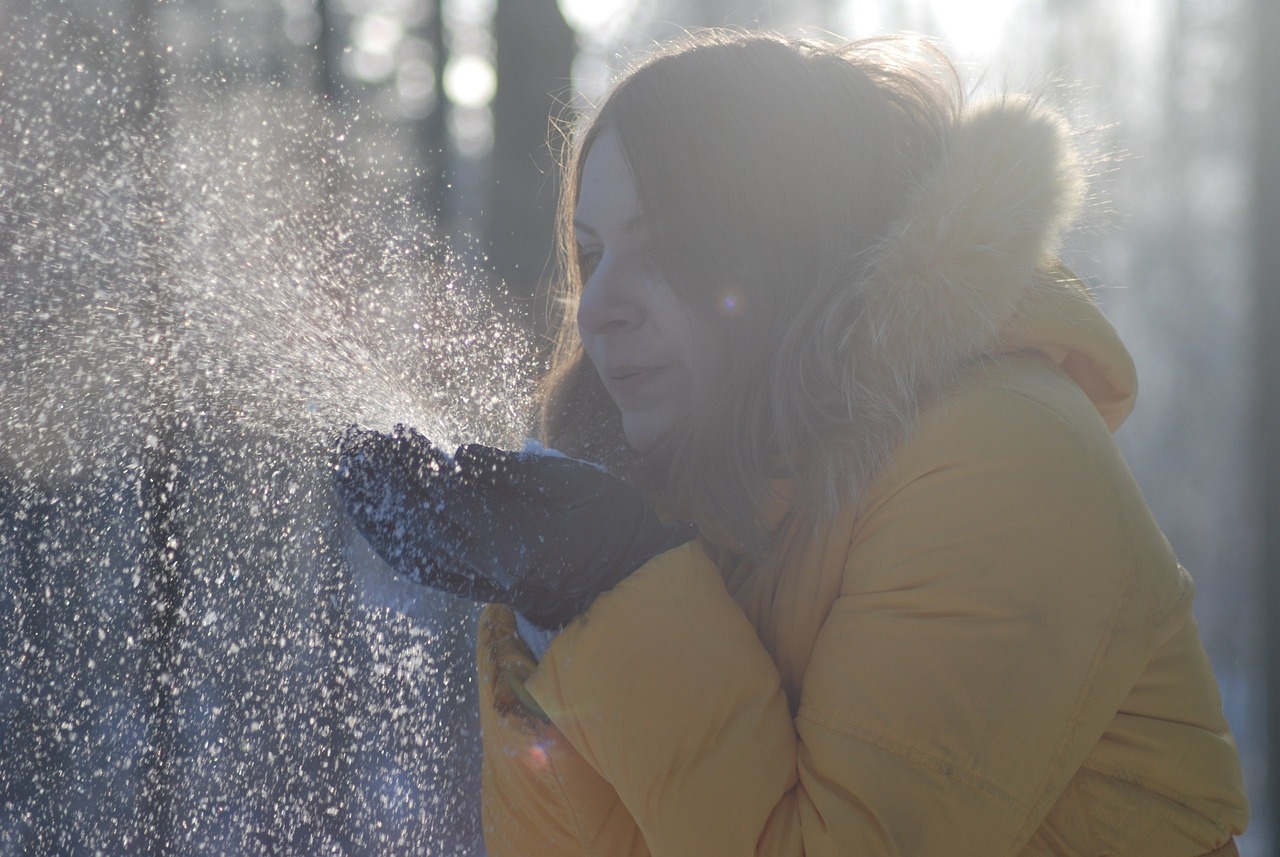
(767, 170)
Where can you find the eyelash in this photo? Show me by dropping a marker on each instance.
(587, 262)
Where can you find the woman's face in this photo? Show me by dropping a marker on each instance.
(655, 359)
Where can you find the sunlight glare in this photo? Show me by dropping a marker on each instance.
(590, 15)
(973, 28)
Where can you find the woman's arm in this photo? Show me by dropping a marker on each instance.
(1005, 588)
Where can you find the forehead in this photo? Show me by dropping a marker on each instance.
(607, 199)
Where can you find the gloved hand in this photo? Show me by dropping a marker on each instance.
(542, 533)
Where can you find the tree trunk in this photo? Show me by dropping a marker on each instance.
(535, 58)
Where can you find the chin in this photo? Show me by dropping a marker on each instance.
(642, 433)
(640, 442)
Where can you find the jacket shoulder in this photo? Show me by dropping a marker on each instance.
(1010, 410)
(1017, 486)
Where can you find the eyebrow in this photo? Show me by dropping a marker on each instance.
(633, 225)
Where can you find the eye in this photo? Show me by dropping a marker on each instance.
(588, 261)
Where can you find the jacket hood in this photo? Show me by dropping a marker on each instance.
(971, 271)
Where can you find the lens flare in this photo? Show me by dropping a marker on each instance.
(730, 302)
(536, 757)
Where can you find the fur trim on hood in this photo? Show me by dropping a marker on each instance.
(980, 234)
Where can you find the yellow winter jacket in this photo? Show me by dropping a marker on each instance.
(990, 653)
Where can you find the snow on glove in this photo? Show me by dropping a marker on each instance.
(543, 534)
(387, 484)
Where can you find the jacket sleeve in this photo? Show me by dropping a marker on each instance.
(990, 623)
(539, 796)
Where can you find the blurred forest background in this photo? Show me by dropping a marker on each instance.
(230, 227)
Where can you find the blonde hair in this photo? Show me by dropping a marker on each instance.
(772, 168)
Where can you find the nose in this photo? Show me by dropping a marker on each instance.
(609, 302)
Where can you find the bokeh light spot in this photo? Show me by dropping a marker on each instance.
(470, 81)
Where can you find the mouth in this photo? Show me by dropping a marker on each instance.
(628, 379)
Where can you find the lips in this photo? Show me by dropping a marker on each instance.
(624, 380)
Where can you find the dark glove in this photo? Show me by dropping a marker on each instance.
(542, 533)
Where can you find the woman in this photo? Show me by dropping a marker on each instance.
(812, 308)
